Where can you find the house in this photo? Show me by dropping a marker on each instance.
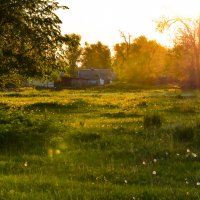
(97, 76)
(86, 77)
(68, 82)
(39, 84)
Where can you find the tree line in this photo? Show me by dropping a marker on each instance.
(32, 46)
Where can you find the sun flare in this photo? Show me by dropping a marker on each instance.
(102, 20)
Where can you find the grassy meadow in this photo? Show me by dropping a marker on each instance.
(100, 143)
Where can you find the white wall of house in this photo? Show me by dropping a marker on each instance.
(43, 84)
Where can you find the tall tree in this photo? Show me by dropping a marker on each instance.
(96, 56)
(141, 60)
(72, 53)
(187, 40)
(30, 37)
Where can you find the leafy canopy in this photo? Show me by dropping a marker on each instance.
(186, 54)
(30, 36)
(96, 56)
(139, 61)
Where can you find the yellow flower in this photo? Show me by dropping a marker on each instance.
(57, 152)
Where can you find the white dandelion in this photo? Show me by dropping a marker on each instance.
(25, 164)
(194, 155)
(154, 172)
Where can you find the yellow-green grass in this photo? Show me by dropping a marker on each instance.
(100, 143)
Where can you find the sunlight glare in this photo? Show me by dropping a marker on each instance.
(102, 20)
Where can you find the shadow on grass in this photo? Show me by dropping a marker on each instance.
(18, 94)
(78, 104)
(120, 115)
(4, 106)
(89, 141)
(85, 137)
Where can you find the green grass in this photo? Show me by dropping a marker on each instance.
(100, 143)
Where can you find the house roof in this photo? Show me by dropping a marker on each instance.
(88, 74)
(105, 74)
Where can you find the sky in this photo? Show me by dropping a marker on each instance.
(102, 20)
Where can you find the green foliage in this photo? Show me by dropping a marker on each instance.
(139, 61)
(96, 56)
(183, 133)
(184, 57)
(30, 37)
(72, 54)
(92, 144)
(153, 120)
(86, 137)
(20, 131)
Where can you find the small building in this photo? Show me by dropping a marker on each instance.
(68, 82)
(97, 76)
(41, 84)
(86, 77)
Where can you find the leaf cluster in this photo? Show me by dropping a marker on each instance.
(30, 36)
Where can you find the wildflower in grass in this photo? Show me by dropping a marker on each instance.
(50, 152)
(12, 191)
(194, 155)
(155, 160)
(105, 179)
(57, 152)
(144, 163)
(166, 153)
(188, 151)
(25, 164)
(198, 183)
(154, 172)
(178, 154)
(125, 181)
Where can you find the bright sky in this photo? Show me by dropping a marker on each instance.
(101, 20)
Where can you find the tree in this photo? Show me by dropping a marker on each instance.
(30, 37)
(187, 40)
(96, 56)
(72, 53)
(140, 61)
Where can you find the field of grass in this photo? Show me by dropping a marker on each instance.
(100, 143)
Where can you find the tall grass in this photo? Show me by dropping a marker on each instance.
(99, 144)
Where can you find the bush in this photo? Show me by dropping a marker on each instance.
(183, 133)
(152, 121)
(20, 131)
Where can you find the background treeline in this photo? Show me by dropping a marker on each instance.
(140, 60)
(32, 46)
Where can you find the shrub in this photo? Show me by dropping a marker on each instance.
(20, 131)
(85, 137)
(183, 133)
(152, 120)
